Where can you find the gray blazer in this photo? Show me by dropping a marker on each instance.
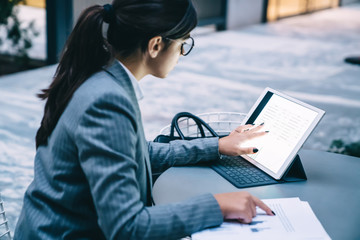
(93, 178)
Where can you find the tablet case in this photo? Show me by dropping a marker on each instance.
(294, 173)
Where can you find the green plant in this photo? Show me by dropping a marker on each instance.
(19, 35)
(352, 149)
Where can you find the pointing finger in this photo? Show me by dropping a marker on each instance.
(263, 206)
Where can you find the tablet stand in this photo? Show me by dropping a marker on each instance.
(295, 172)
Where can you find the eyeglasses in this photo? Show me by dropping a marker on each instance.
(186, 46)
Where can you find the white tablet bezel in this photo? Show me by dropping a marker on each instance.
(320, 113)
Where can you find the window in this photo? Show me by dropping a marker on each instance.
(277, 9)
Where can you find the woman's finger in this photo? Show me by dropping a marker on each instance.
(248, 150)
(253, 208)
(263, 206)
(246, 218)
(242, 128)
(257, 134)
(257, 128)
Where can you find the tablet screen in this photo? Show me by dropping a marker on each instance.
(289, 123)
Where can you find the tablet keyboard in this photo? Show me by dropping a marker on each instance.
(241, 173)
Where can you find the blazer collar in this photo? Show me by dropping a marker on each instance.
(138, 92)
(121, 77)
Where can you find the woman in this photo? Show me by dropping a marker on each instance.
(93, 165)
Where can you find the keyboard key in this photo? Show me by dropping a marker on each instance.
(241, 172)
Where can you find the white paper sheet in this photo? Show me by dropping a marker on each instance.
(294, 220)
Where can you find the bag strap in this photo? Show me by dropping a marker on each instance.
(175, 124)
(199, 122)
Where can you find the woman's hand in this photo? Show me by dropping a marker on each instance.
(232, 145)
(240, 206)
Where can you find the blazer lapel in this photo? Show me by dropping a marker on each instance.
(120, 75)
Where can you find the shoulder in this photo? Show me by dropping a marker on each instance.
(111, 81)
(99, 85)
(101, 92)
(102, 86)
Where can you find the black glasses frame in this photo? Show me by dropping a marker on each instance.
(182, 45)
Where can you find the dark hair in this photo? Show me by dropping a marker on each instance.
(133, 24)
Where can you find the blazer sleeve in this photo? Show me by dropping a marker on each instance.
(180, 152)
(105, 138)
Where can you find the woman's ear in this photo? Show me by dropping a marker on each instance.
(155, 45)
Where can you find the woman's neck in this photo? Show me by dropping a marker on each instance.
(136, 65)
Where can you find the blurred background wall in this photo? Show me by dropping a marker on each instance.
(61, 15)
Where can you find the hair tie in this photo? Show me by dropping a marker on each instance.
(109, 13)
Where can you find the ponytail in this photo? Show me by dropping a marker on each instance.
(84, 54)
(132, 23)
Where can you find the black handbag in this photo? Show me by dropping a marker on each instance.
(201, 124)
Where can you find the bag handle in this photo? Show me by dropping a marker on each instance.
(199, 122)
(175, 124)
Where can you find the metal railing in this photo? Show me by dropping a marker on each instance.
(4, 225)
(222, 122)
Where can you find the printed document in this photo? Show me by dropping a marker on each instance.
(294, 220)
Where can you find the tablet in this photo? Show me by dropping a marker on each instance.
(289, 122)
